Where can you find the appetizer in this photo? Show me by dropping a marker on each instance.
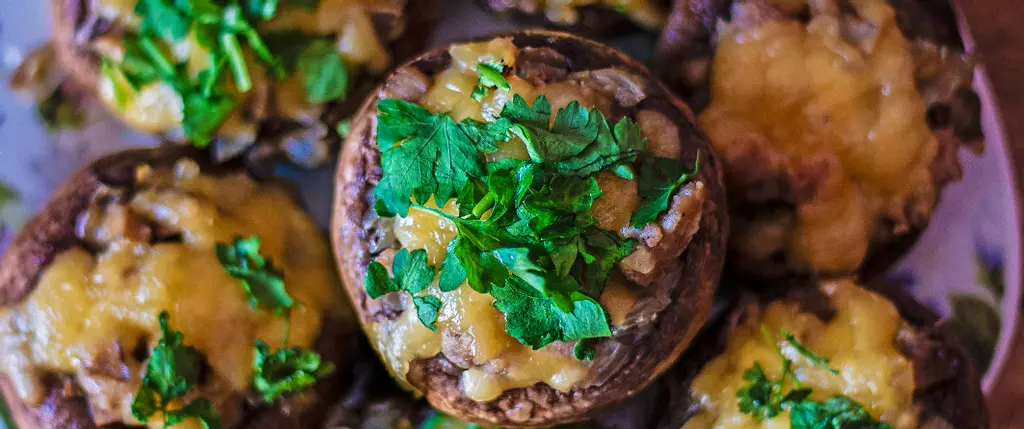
(835, 356)
(839, 123)
(275, 75)
(156, 290)
(530, 226)
(592, 17)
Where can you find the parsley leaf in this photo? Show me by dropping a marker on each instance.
(659, 179)
(287, 370)
(580, 141)
(171, 372)
(436, 156)
(812, 357)
(427, 308)
(162, 18)
(490, 77)
(763, 397)
(324, 74)
(203, 116)
(412, 274)
(263, 283)
(838, 412)
(536, 321)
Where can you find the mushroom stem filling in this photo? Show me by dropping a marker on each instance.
(171, 244)
(830, 106)
(783, 366)
(535, 222)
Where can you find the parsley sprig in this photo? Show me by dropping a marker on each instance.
(766, 398)
(263, 283)
(281, 371)
(659, 180)
(412, 275)
(526, 235)
(172, 371)
(490, 77)
(287, 370)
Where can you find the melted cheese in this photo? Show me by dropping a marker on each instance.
(860, 341)
(471, 332)
(808, 91)
(156, 107)
(86, 303)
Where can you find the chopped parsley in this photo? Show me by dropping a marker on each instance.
(281, 371)
(412, 274)
(436, 156)
(224, 31)
(171, 372)
(287, 370)
(525, 232)
(766, 398)
(659, 179)
(490, 77)
(263, 283)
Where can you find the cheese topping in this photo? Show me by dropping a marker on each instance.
(834, 103)
(94, 310)
(471, 332)
(860, 342)
(157, 107)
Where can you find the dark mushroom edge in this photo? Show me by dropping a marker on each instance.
(645, 338)
(65, 237)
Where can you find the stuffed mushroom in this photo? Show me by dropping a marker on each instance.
(530, 226)
(157, 290)
(277, 76)
(835, 356)
(839, 123)
(592, 17)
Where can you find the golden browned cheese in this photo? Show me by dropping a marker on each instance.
(644, 12)
(468, 324)
(156, 107)
(817, 95)
(860, 341)
(87, 303)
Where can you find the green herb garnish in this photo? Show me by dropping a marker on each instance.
(263, 283)
(324, 74)
(286, 370)
(659, 179)
(765, 398)
(436, 156)
(171, 372)
(525, 232)
(412, 274)
(812, 357)
(837, 412)
(490, 77)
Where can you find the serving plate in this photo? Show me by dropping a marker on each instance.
(967, 265)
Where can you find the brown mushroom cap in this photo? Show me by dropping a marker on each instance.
(653, 347)
(688, 44)
(53, 231)
(947, 384)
